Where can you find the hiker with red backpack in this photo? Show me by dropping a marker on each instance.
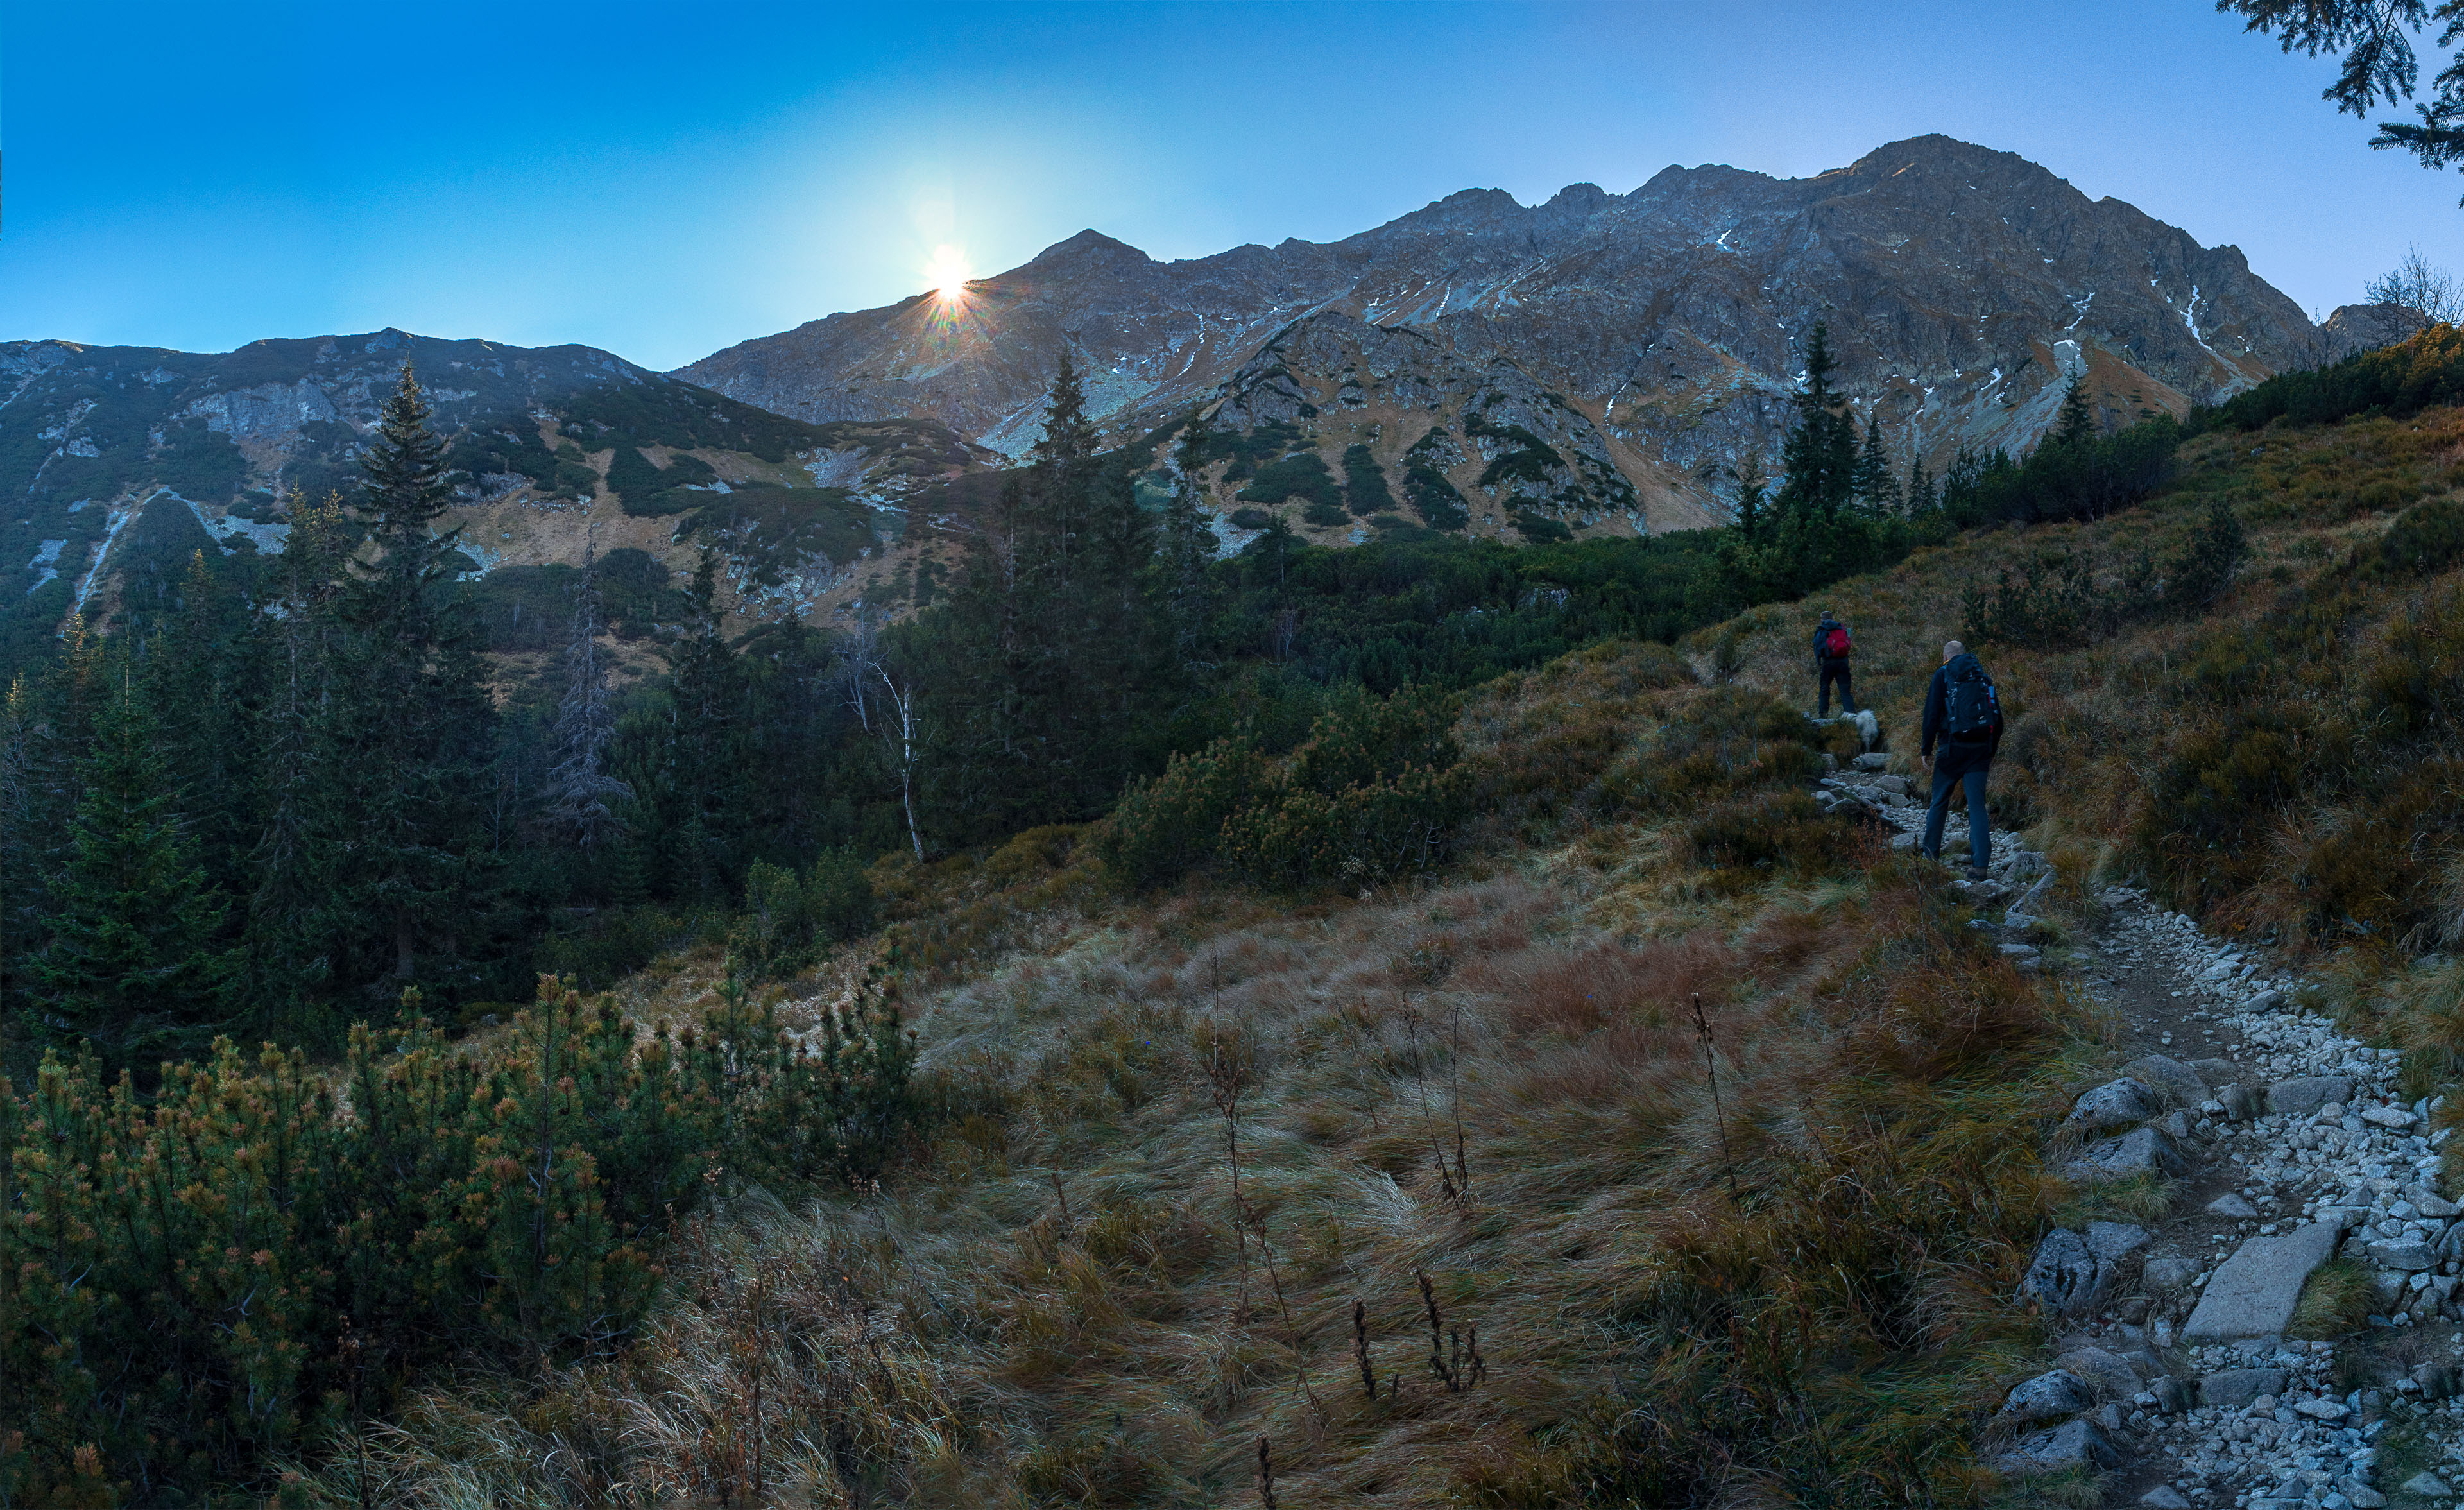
(1832, 647)
(1963, 714)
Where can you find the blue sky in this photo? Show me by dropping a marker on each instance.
(663, 179)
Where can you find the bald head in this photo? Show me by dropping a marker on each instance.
(1952, 650)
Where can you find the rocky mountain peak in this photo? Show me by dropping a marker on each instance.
(1088, 253)
(1965, 289)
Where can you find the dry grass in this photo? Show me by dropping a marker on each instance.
(1062, 1300)
(1796, 1291)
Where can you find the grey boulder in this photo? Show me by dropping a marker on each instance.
(2050, 1396)
(2116, 1103)
(2180, 1084)
(2164, 1276)
(2073, 1444)
(2397, 1253)
(2142, 1151)
(2107, 1373)
(2301, 1096)
(2230, 1205)
(2115, 1241)
(2239, 1387)
(2065, 1277)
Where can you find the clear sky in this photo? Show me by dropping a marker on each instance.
(665, 179)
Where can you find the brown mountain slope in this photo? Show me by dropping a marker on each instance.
(1962, 286)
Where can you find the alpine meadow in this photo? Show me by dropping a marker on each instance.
(1228, 878)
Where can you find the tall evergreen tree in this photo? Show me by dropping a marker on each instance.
(1047, 652)
(1186, 555)
(291, 865)
(579, 787)
(701, 772)
(2076, 425)
(1921, 496)
(1753, 497)
(134, 963)
(1877, 490)
(414, 731)
(1818, 460)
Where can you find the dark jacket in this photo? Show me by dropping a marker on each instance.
(1822, 633)
(1937, 714)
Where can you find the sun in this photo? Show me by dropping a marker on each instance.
(949, 272)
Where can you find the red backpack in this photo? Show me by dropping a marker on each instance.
(1836, 643)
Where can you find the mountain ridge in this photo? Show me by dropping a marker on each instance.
(1637, 304)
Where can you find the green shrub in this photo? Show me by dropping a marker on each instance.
(1732, 739)
(2425, 540)
(1360, 740)
(1325, 516)
(2400, 379)
(1770, 829)
(1364, 482)
(1304, 476)
(1540, 529)
(177, 1274)
(1359, 835)
(1163, 827)
(606, 946)
(1252, 519)
(789, 920)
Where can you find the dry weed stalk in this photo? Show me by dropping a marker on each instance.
(1227, 1075)
(1282, 1308)
(1449, 1377)
(1429, 1120)
(1719, 1117)
(1265, 1473)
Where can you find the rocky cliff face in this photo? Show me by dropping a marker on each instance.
(1963, 289)
(124, 462)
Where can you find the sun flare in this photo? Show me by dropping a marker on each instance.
(949, 272)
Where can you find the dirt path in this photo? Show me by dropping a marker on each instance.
(2295, 1151)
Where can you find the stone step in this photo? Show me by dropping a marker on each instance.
(2254, 1292)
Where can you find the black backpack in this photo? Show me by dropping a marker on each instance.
(1970, 705)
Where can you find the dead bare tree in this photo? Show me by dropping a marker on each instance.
(863, 667)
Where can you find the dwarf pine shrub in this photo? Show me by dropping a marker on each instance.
(789, 919)
(1376, 790)
(177, 1274)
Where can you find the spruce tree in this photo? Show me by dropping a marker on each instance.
(415, 725)
(2076, 425)
(134, 963)
(1753, 498)
(1818, 460)
(703, 769)
(1920, 494)
(1048, 653)
(1186, 556)
(1878, 491)
(298, 839)
(579, 787)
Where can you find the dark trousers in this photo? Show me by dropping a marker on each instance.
(1836, 670)
(1958, 765)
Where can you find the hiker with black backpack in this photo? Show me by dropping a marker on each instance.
(1832, 647)
(1963, 714)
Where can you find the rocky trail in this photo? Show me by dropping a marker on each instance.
(2191, 1370)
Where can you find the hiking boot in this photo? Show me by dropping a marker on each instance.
(1977, 873)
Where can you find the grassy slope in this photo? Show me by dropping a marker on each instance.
(1064, 1300)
